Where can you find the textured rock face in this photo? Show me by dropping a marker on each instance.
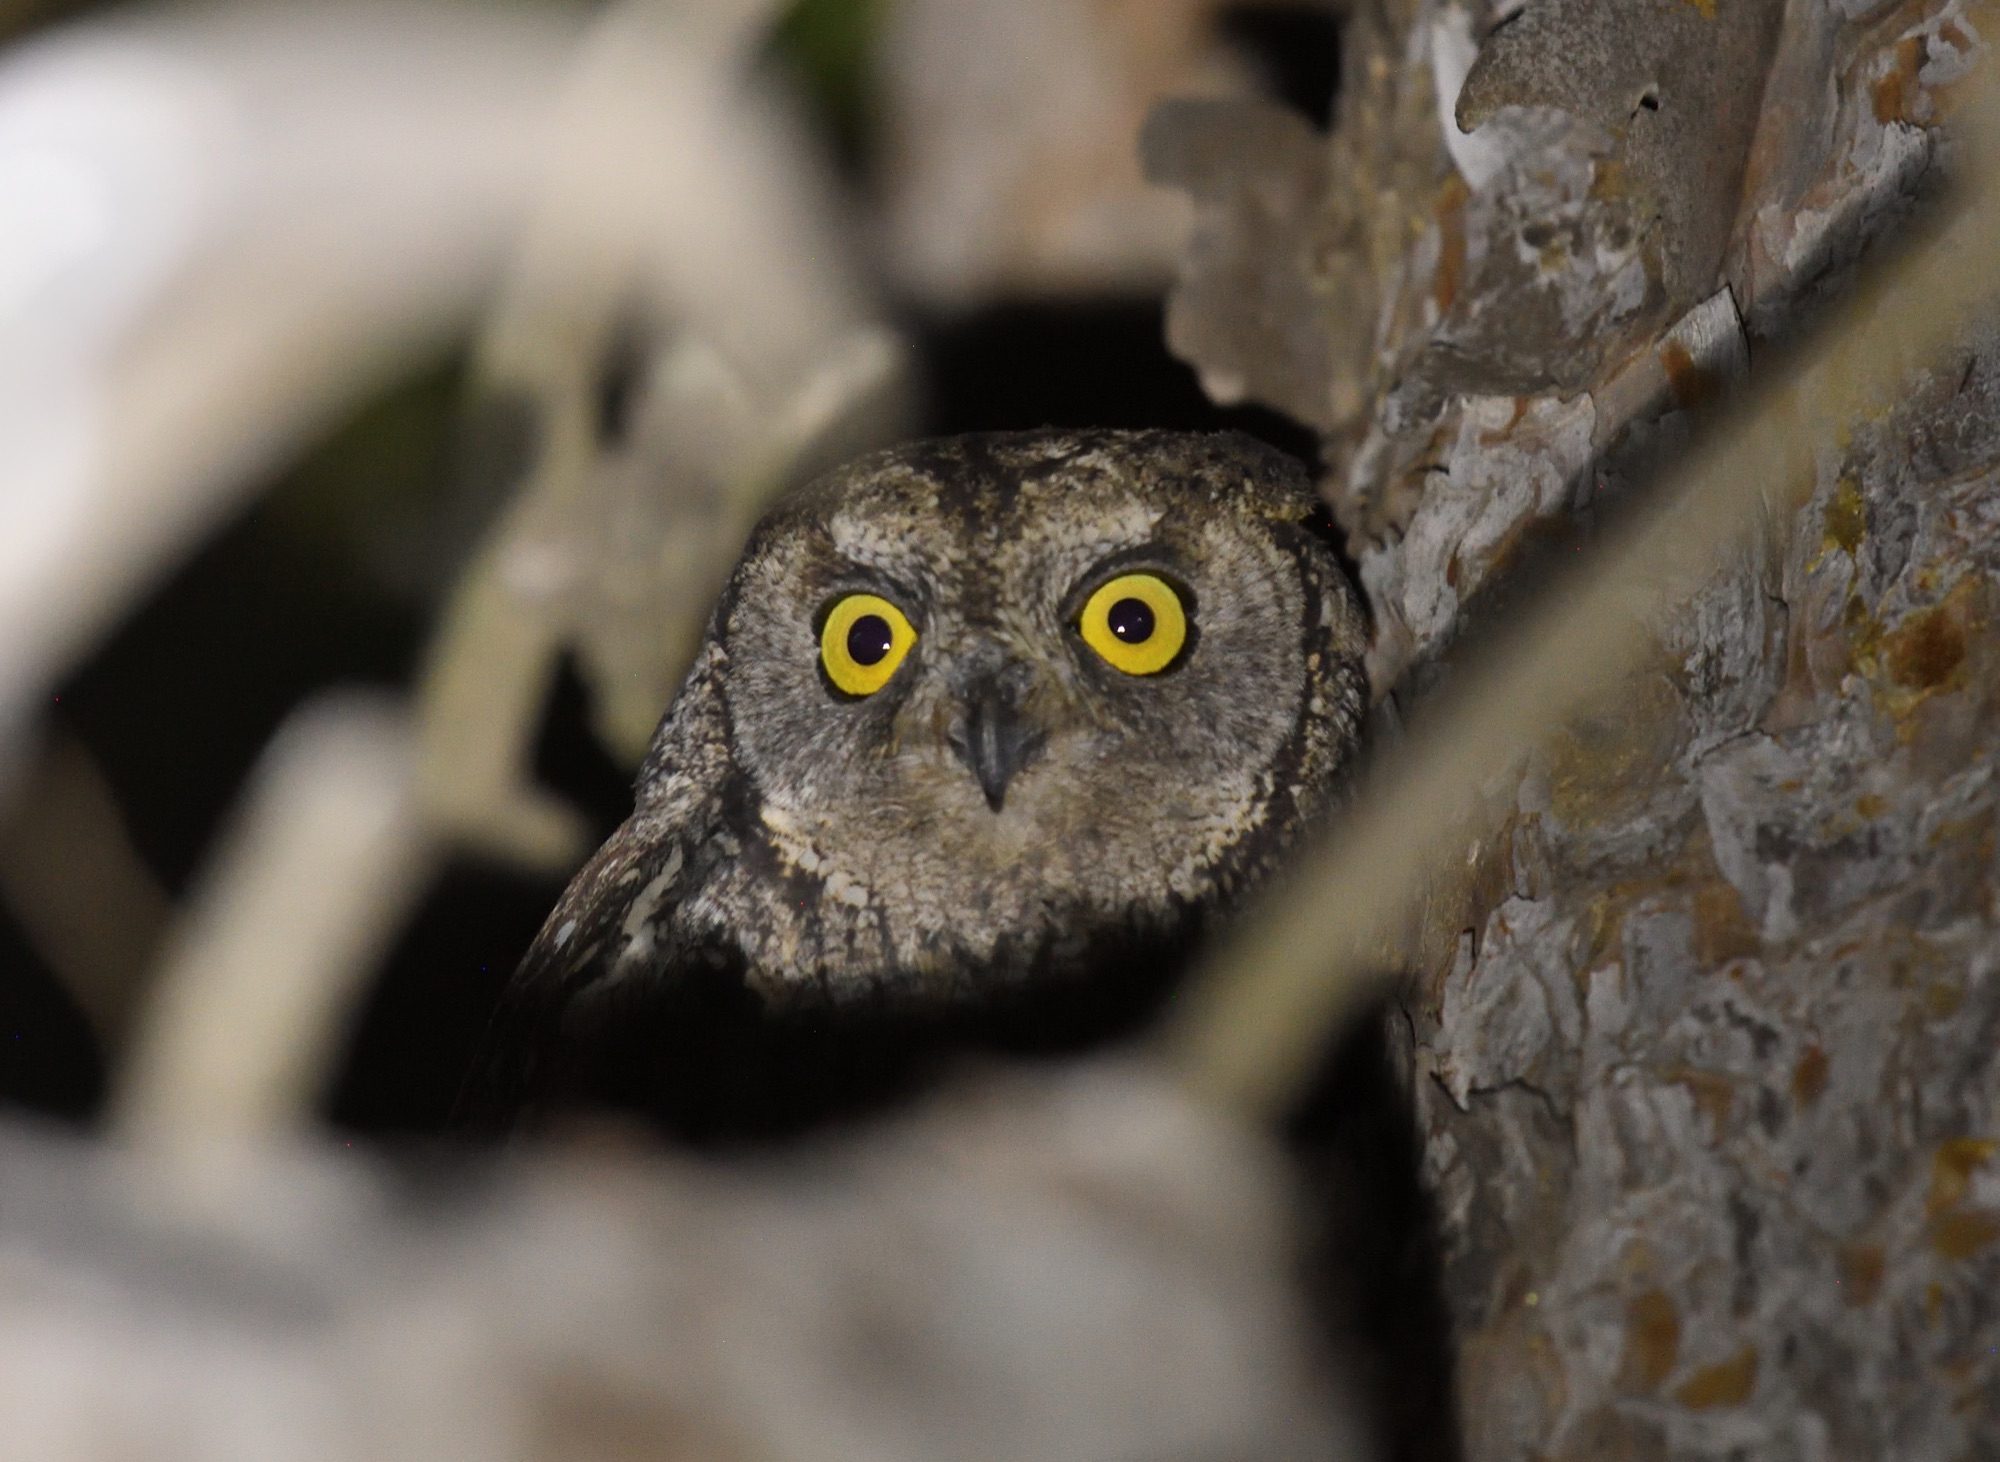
(1715, 1070)
(1707, 1046)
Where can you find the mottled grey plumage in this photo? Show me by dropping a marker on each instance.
(813, 888)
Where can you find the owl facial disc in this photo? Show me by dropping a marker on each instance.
(977, 695)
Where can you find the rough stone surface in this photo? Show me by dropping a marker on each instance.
(1707, 1045)
(1716, 1083)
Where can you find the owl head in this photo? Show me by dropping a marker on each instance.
(983, 732)
(982, 695)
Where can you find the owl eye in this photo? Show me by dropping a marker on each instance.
(863, 640)
(1136, 622)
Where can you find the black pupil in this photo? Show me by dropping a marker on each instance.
(868, 639)
(1131, 620)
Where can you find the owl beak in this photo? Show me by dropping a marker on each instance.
(995, 739)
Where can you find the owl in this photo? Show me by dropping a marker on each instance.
(985, 734)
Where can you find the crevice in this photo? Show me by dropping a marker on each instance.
(1374, 1265)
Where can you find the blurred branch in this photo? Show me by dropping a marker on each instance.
(226, 225)
(326, 858)
(1249, 1030)
(685, 242)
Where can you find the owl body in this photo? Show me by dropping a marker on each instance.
(984, 735)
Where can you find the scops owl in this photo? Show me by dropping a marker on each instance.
(984, 732)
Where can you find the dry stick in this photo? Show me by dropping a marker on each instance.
(668, 192)
(1258, 1014)
(327, 856)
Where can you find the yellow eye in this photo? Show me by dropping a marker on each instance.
(1136, 622)
(864, 639)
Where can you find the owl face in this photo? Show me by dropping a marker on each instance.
(983, 690)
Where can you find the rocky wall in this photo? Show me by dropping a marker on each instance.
(1706, 1048)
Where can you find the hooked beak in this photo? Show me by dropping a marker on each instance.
(995, 738)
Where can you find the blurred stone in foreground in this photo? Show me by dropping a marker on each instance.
(1080, 1268)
